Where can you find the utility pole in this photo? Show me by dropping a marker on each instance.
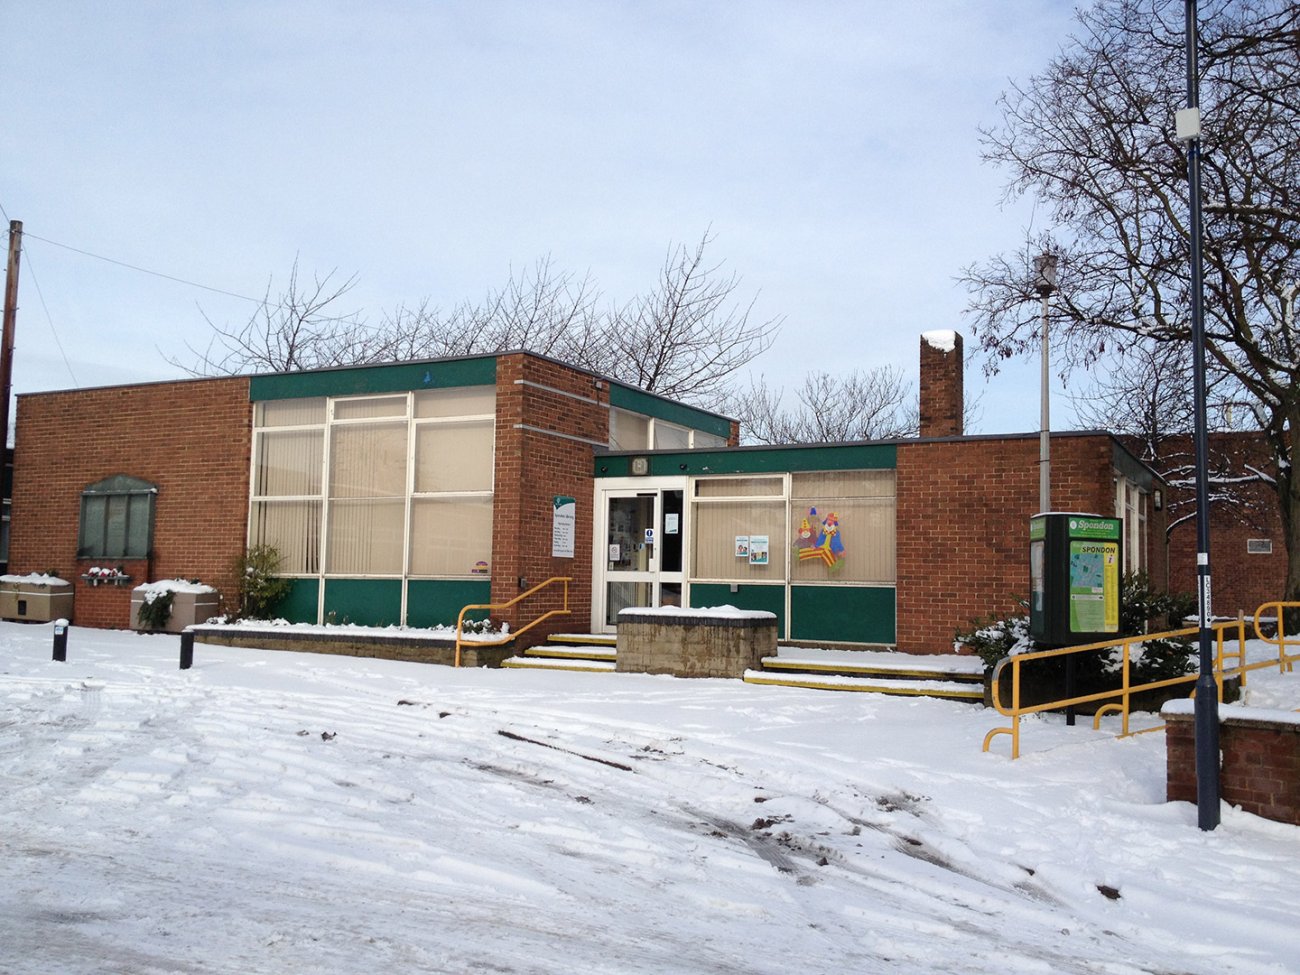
(10, 314)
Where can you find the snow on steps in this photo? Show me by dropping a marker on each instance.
(878, 672)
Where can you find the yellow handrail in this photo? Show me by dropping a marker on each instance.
(460, 620)
(1284, 660)
(1126, 690)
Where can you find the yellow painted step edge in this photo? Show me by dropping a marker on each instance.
(876, 688)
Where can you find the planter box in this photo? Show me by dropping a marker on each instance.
(34, 602)
(188, 608)
(693, 643)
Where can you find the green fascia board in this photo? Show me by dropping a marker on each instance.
(770, 598)
(365, 602)
(438, 602)
(639, 401)
(1132, 468)
(843, 614)
(755, 460)
(301, 603)
(391, 378)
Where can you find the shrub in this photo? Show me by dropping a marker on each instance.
(992, 639)
(156, 609)
(260, 589)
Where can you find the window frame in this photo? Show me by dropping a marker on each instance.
(101, 494)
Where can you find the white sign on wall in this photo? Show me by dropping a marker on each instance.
(564, 524)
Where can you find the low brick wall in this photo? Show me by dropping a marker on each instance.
(1260, 749)
(694, 644)
(354, 644)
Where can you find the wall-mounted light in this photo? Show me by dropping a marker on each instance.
(1158, 499)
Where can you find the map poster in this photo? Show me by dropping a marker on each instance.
(1094, 586)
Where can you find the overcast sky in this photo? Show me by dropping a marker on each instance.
(431, 147)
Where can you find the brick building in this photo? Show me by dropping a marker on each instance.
(397, 494)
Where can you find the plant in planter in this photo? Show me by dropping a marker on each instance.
(156, 609)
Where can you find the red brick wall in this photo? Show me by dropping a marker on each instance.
(192, 439)
(1239, 581)
(963, 525)
(532, 468)
(1260, 771)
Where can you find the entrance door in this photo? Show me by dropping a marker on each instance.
(643, 533)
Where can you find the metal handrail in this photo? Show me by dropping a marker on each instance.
(1285, 661)
(460, 620)
(1124, 692)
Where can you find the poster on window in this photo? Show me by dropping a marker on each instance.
(564, 520)
(758, 550)
(819, 538)
(742, 546)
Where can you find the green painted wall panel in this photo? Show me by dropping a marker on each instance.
(301, 603)
(366, 602)
(437, 602)
(398, 378)
(639, 401)
(757, 460)
(843, 614)
(770, 598)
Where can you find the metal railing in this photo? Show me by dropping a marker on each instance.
(460, 620)
(1126, 690)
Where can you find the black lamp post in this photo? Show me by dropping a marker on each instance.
(1206, 724)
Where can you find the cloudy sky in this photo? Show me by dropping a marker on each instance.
(431, 147)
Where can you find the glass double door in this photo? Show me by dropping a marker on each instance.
(643, 532)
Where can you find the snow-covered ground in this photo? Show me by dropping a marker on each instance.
(293, 813)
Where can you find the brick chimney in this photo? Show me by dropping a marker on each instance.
(942, 395)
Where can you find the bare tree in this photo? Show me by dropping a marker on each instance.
(1092, 138)
(874, 405)
(297, 330)
(684, 339)
(687, 337)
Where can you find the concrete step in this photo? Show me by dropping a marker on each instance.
(574, 652)
(584, 639)
(545, 663)
(951, 690)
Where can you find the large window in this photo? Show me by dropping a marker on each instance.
(116, 519)
(834, 526)
(858, 506)
(386, 486)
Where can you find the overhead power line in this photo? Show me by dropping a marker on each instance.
(145, 270)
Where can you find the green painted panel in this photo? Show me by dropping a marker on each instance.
(353, 380)
(301, 604)
(437, 602)
(843, 614)
(757, 460)
(639, 401)
(366, 602)
(770, 598)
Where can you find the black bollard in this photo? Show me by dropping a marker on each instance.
(187, 649)
(61, 640)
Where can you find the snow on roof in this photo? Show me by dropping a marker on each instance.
(944, 339)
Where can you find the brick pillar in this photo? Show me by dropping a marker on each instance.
(942, 393)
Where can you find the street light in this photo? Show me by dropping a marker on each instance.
(1045, 285)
